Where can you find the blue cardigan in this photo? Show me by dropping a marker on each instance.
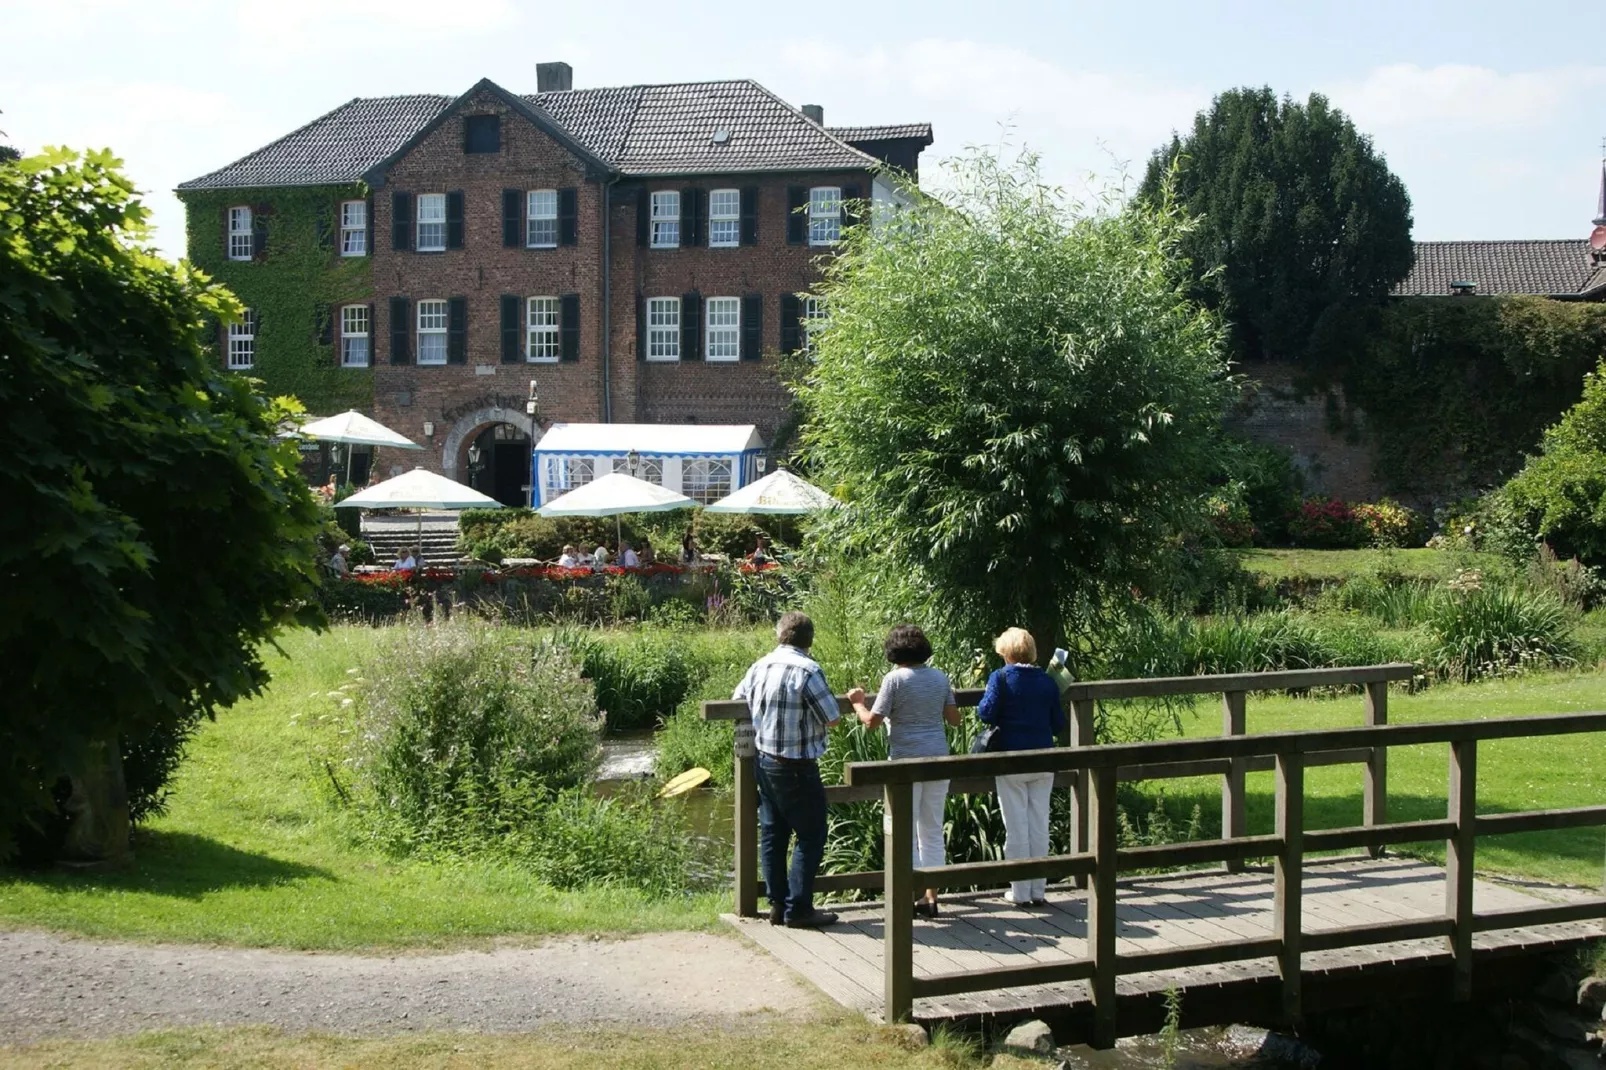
(1023, 702)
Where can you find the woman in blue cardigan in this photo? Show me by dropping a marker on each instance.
(1023, 703)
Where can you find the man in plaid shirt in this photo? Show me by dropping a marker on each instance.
(793, 711)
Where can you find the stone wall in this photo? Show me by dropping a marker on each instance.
(1334, 459)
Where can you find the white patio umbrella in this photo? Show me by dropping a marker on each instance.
(614, 495)
(420, 490)
(352, 428)
(779, 493)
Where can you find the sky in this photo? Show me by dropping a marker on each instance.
(1492, 114)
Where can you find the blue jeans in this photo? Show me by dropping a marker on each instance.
(791, 802)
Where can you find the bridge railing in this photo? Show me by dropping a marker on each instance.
(1092, 773)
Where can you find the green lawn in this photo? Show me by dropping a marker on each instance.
(1537, 774)
(1334, 565)
(252, 853)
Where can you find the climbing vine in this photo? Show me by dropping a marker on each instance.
(297, 280)
(1456, 390)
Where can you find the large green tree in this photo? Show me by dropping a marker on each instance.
(1018, 400)
(1560, 494)
(1301, 220)
(153, 530)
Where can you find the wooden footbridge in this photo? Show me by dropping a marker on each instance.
(1239, 943)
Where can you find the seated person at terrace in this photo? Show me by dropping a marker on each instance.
(760, 554)
(649, 556)
(599, 557)
(627, 556)
(405, 561)
(569, 559)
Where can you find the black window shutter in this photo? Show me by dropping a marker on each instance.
(691, 218)
(569, 327)
(259, 232)
(512, 350)
(568, 229)
(401, 330)
(791, 323)
(325, 227)
(691, 326)
(643, 207)
(369, 241)
(457, 330)
(323, 316)
(641, 327)
(850, 206)
(401, 220)
(373, 332)
(750, 215)
(797, 219)
(454, 219)
(512, 218)
(752, 326)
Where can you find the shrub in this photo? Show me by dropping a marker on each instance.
(1269, 485)
(734, 534)
(1497, 630)
(466, 730)
(636, 680)
(686, 741)
(1571, 581)
(1390, 524)
(1229, 519)
(1326, 524)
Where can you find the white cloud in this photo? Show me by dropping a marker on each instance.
(1463, 98)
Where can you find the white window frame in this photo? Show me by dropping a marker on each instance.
(242, 342)
(665, 219)
(722, 340)
(431, 323)
(242, 233)
(436, 220)
(353, 228)
(651, 471)
(546, 216)
(559, 475)
(353, 355)
(543, 320)
(813, 319)
(663, 329)
(706, 479)
(724, 218)
(825, 215)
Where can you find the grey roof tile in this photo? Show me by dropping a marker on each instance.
(1560, 268)
(637, 130)
(889, 132)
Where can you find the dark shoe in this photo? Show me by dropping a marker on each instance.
(1038, 903)
(817, 920)
(926, 908)
(777, 915)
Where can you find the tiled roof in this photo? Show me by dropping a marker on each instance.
(635, 130)
(1549, 268)
(892, 131)
(336, 148)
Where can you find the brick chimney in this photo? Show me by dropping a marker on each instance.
(553, 77)
(815, 112)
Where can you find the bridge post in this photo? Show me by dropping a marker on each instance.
(1101, 925)
(1458, 852)
(1287, 897)
(1232, 781)
(1375, 801)
(746, 823)
(899, 920)
(1081, 736)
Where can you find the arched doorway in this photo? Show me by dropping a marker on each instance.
(499, 463)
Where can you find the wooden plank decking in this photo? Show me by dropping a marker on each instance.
(980, 931)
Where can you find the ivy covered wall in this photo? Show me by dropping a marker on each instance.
(295, 286)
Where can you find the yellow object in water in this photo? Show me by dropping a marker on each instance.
(687, 781)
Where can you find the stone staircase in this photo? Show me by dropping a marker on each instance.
(439, 543)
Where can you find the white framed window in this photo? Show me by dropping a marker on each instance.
(541, 219)
(432, 331)
(813, 320)
(663, 328)
(541, 330)
(243, 342)
(431, 222)
(705, 479)
(724, 328)
(354, 333)
(242, 238)
(563, 474)
(825, 215)
(353, 228)
(724, 218)
(666, 219)
(651, 470)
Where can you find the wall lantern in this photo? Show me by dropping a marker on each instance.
(633, 462)
(429, 428)
(474, 456)
(761, 461)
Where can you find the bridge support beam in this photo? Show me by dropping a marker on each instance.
(1101, 923)
(1375, 801)
(746, 822)
(898, 967)
(1081, 736)
(1287, 925)
(1458, 852)
(1232, 781)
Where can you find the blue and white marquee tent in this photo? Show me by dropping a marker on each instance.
(705, 462)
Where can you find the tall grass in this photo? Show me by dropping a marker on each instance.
(1496, 631)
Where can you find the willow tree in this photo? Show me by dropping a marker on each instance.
(1017, 399)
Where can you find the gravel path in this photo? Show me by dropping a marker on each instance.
(56, 986)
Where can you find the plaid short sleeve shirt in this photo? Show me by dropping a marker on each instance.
(791, 704)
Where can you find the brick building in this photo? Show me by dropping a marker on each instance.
(637, 251)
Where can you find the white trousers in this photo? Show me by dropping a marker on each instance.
(926, 806)
(1024, 799)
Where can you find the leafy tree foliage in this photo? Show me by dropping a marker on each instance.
(1300, 219)
(1018, 400)
(1560, 495)
(154, 531)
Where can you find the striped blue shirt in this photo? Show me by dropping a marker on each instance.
(791, 704)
